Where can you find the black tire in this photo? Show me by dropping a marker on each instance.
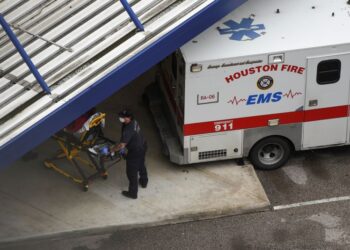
(270, 153)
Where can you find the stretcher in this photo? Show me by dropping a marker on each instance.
(87, 151)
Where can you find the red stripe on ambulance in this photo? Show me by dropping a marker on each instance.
(262, 120)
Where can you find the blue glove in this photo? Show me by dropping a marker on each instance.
(104, 150)
(122, 152)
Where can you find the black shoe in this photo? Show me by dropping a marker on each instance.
(129, 195)
(143, 183)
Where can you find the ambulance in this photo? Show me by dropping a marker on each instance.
(271, 78)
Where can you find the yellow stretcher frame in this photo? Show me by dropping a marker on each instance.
(71, 148)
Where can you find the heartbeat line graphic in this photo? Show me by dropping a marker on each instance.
(236, 101)
(290, 94)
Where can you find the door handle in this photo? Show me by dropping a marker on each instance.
(313, 103)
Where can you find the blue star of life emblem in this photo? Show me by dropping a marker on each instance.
(245, 30)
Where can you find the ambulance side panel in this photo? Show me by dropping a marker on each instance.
(232, 104)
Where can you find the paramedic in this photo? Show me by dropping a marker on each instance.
(133, 143)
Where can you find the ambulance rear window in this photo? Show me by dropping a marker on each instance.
(328, 72)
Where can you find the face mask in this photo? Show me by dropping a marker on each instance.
(122, 120)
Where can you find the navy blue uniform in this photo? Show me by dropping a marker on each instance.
(135, 159)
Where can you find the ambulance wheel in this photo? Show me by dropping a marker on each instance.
(270, 153)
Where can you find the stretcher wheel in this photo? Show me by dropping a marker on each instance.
(86, 188)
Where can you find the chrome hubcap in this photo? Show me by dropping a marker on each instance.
(270, 154)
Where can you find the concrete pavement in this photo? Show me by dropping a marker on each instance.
(317, 226)
(37, 202)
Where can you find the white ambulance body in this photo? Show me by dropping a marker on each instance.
(270, 78)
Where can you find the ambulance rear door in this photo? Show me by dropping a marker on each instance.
(326, 102)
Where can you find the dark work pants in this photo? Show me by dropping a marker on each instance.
(135, 165)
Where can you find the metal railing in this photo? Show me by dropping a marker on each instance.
(132, 15)
(24, 54)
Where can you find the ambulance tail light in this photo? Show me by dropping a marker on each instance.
(195, 68)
